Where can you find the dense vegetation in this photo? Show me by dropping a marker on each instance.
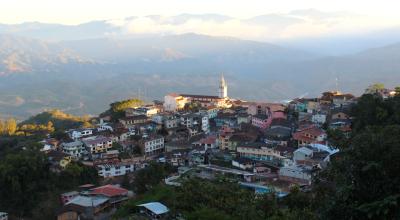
(117, 109)
(29, 189)
(60, 120)
(362, 181)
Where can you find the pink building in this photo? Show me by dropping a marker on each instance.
(279, 114)
(261, 121)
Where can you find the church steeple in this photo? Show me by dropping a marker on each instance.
(223, 88)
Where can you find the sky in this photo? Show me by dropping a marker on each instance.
(79, 11)
(285, 21)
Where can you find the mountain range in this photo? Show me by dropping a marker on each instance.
(87, 69)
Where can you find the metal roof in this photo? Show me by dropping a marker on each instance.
(155, 207)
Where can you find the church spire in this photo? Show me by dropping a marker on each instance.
(223, 88)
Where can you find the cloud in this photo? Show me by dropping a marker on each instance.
(294, 24)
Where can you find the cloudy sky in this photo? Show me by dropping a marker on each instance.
(250, 19)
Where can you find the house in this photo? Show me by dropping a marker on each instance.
(224, 135)
(154, 210)
(174, 102)
(243, 163)
(296, 173)
(279, 135)
(178, 158)
(146, 110)
(212, 111)
(68, 196)
(318, 118)
(76, 149)
(261, 121)
(152, 145)
(115, 169)
(340, 114)
(209, 142)
(80, 133)
(309, 135)
(189, 120)
(260, 152)
(84, 207)
(131, 121)
(97, 144)
(171, 121)
(104, 126)
(342, 100)
(49, 144)
(259, 108)
(243, 118)
(313, 157)
(302, 153)
(226, 119)
(114, 193)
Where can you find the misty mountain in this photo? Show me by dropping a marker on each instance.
(184, 47)
(85, 76)
(24, 55)
(58, 32)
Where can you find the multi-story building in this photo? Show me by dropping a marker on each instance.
(97, 144)
(296, 173)
(260, 152)
(76, 134)
(146, 110)
(261, 121)
(152, 145)
(75, 148)
(174, 102)
(129, 122)
(223, 139)
(309, 135)
(115, 169)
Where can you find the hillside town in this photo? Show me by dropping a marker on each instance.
(264, 147)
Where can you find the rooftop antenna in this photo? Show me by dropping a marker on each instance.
(337, 84)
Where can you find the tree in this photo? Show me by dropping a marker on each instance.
(149, 177)
(50, 127)
(397, 90)
(372, 89)
(1, 127)
(11, 126)
(22, 177)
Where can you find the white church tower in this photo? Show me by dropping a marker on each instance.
(223, 88)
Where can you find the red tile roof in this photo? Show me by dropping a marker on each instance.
(109, 191)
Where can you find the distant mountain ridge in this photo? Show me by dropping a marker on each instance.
(83, 76)
(25, 55)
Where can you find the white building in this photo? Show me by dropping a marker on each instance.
(147, 110)
(318, 118)
(104, 127)
(296, 173)
(112, 170)
(205, 126)
(303, 153)
(75, 149)
(80, 133)
(174, 102)
(152, 145)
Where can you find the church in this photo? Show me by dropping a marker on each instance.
(174, 102)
